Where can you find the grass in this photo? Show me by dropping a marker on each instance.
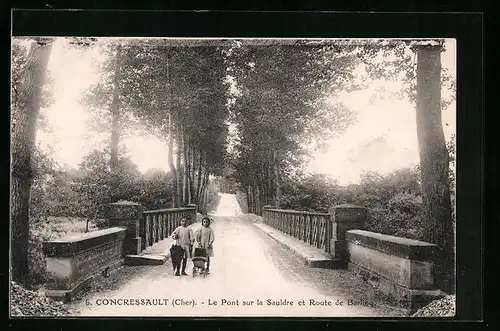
(58, 227)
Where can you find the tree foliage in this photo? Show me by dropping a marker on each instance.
(281, 105)
(179, 95)
(394, 200)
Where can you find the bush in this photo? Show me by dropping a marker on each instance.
(37, 268)
(102, 223)
(212, 201)
(394, 201)
(242, 201)
(29, 303)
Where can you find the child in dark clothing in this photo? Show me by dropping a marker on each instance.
(185, 238)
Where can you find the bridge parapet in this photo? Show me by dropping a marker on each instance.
(146, 227)
(73, 261)
(402, 268)
(326, 231)
(156, 225)
(310, 227)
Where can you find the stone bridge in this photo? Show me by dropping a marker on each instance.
(286, 263)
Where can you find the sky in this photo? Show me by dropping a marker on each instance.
(382, 139)
(384, 136)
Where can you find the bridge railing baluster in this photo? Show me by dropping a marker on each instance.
(310, 227)
(142, 231)
(162, 226)
(156, 225)
(148, 231)
(156, 221)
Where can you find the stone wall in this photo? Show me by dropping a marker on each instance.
(402, 268)
(73, 262)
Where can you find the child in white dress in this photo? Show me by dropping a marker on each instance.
(205, 238)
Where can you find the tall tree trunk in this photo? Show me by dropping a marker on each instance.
(115, 113)
(434, 164)
(269, 191)
(192, 173)
(261, 188)
(203, 189)
(250, 199)
(277, 186)
(186, 170)
(200, 168)
(255, 197)
(115, 124)
(170, 159)
(259, 200)
(170, 155)
(24, 126)
(178, 156)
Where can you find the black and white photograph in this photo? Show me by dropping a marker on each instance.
(232, 177)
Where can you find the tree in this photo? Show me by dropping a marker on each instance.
(29, 79)
(423, 87)
(43, 173)
(95, 184)
(24, 126)
(181, 99)
(281, 104)
(108, 101)
(156, 189)
(97, 181)
(434, 161)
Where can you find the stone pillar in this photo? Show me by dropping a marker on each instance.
(127, 214)
(342, 219)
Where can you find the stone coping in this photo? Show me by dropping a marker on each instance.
(348, 206)
(312, 257)
(155, 211)
(125, 203)
(398, 246)
(289, 211)
(70, 246)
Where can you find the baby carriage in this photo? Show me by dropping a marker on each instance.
(200, 262)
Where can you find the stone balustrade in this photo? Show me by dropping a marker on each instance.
(322, 230)
(310, 227)
(157, 225)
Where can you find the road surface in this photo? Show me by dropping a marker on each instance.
(251, 275)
